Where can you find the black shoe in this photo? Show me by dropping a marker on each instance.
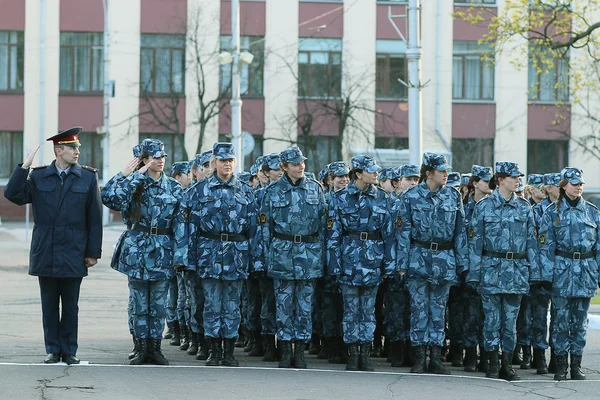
(526, 363)
(141, 352)
(457, 355)
(492, 360)
(52, 358)
(70, 359)
(286, 354)
(228, 358)
(251, 341)
(325, 348)
(552, 367)
(352, 364)
(186, 332)
(299, 361)
(365, 360)
(470, 362)
(213, 353)
(176, 339)
(315, 345)
(193, 348)
(516, 356)
(170, 331)
(539, 356)
(257, 345)
(336, 346)
(270, 353)
(484, 361)
(561, 368)
(419, 364)
(506, 371)
(133, 352)
(397, 353)
(202, 353)
(155, 355)
(435, 362)
(576, 372)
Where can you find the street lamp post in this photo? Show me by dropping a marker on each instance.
(236, 99)
(106, 120)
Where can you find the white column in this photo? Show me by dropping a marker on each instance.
(281, 69)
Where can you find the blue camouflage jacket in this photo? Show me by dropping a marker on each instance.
(573, 229)
(428, 216)
(469, 206)
(292, 210)
(502, 226)
(538, 212)
(218, 207)
(142, 255)
(354, 261)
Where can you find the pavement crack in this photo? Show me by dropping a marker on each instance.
(44, 383)
(391, 385)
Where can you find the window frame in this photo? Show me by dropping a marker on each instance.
(16, 145)
(387, 76)
(153, 72)
(252, 41)
(19, 44)
(90, 76)
(308, 84)
(532, 162)
(464, 56)
(534, 88)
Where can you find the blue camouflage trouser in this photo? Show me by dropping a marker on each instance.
(500, 323)
(130, 313)
(332, 308)
(149, 307)
(317, 314)
(540, 304)
(456, 314)
(252, 318)
(473, 318)
(427, 311)
(294, 307)
(177, 308)
(195, 298)
(222, 314)
(172, 297)
(358, 323)
(267, 310)
(397, 310)
(524, 327)
(570, 324)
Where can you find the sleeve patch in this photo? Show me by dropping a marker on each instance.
(262, 218)
(542, 239)
(186, 213)
(471, 233)
(399, 222)
(329, 224)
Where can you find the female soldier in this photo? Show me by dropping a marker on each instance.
(155, 243)
(502, 264)
(569, 257)
(293, 251)
(222, 219)
(432, 250)
(360, 251)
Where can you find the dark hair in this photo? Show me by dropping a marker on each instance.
(561, 195)
(423, 173)
(137, 195)
(471, 187)
(265, 168)
(352, 174)
(497, 176)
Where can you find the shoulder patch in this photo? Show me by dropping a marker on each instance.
(186, 213)
(262, 218)
(94, 170)
(399, 222)
(329, 224)
(39, 167)
(471, 233)
(542, 239)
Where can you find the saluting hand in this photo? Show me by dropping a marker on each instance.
(145, 167)
(130, 166)
(29, 159)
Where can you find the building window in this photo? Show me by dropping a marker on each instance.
(319, 67)
(81, 56)
(163, 63)
(547, 156)
(391, 142)
(472, 75)
(173, 146)
(91, 150)
(320, 151)
(474, 1)
(467, 152)
(11, 60)
(548, 76)
(252, 76)
(391, 65)
(256, 152)
(11, 152)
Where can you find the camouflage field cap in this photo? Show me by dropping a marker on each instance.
(410, 170)
(205, 157)
(573, 175)
(365, 163)
(453, 179)
(292, 155)
(465, 178)
(508, 168)
(323, 173)
(182, 167)
(272, 161)
(386, 173)
(521, 185)
(154, 148)
(552, 179)
(483, 173)
(244, 176)
(223, 151)
(436, 161)
(137, 150)
(536, 180)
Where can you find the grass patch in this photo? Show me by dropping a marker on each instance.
(596, 300)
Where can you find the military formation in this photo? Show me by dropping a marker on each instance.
(417, 264)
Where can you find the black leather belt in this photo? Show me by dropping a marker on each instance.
(433, 246)
(152, 230)
(508, 255)
(312, 238)
(364, 235)
(224, 237)
(575, 255)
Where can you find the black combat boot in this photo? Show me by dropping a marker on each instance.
(286, 353)
(134, 351)
(552, 365)
(365, 360)
(251, 342)
(470, 359)
(335, 350)
(409, 356)
(228, 358)
(170, 331)
(185, 337)
(506, 371)
(376, 348)
(270, 352)
(576, 372)
(193, 348)
(420, 360)
(526, 364)
(175, 340)
(352, 364)
(299, 361)
(435, 362)
(315, 345)
(257, 350)
(457, 355)
(385, 352)
(397, 353)
(492, 364)
(141, 352)
(155, 355)
(202, 353)
(325, 348)
(539, 357)
(241, 339)
(561, 368)
(516, 356)
(213, 353)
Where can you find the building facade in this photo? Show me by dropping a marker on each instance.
(324, 75)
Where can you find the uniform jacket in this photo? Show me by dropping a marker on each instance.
(68, 219)
(218, 207)
(293, 210)
(573, 229)
(140, 254)
(538, 211)
(431, 217)
(502, 226)
(356, 262)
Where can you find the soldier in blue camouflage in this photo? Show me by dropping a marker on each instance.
(503, 264)
(293, 251)
(360, 253)
(464, 182)
(154, 207)
(201, 166)
(222, 224)
(569, 257)
(454, 180)
(432, 250)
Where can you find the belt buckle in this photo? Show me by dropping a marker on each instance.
(364, 236)
(297, 238)
(433, 246)
(224, 237)
(153, 230)
(576, 256)
(510, 255)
